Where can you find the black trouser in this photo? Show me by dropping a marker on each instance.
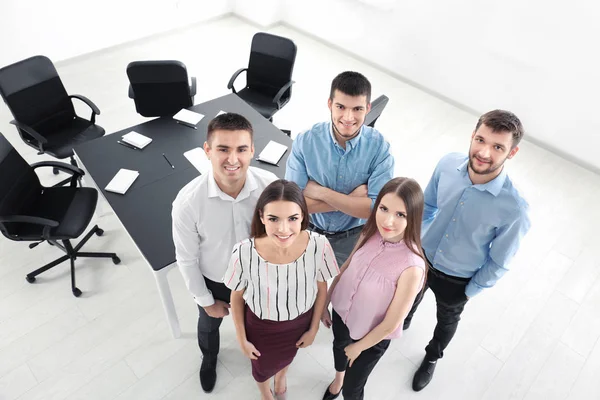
(450, 299)
(208, 327)
(356, 375)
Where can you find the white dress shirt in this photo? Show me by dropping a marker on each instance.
(207, 223)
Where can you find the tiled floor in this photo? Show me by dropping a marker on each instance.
(534, 336)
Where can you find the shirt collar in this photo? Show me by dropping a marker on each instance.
(350, 144)
(494, 186)
(249, 186)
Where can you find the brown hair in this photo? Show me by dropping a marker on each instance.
(411, 194)
(278, 190)
(352, 84)
(229, 122)
(500, 121)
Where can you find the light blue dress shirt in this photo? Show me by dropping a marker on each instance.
(317, 156)
(472, 231)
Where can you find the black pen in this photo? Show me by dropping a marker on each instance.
(127, 145)
(168, 161)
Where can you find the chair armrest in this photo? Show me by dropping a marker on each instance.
(95, 109)
(58, 165)
(130, 92)
(32, 132)
(285, 88)
(193, 87)
(28, 219)
(234, 77)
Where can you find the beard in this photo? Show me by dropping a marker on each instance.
(489, 170)
(338, 133)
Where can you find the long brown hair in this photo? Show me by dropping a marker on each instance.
(411, 194)
(278, 190)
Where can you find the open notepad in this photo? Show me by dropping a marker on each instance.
(136, 139)
(272, 152)
(122, 181)
(198, 159)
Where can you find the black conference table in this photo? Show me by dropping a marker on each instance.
(145, 209)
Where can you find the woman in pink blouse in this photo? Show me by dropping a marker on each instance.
(278, 281)
(376, 287)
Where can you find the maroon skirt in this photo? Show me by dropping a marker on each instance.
(276, 342)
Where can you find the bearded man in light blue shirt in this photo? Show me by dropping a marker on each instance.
(341, 165)
(473, 223)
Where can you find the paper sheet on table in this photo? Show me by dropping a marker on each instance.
(189, 117)
(272, 152)
(122, 181)
(198, 159)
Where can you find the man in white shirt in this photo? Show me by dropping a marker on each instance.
(210, 215)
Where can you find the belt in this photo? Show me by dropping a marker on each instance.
(446, 277)
(342, 234)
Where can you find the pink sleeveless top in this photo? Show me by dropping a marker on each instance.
(367, 287)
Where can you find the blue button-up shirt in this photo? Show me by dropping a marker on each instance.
(317, 156)
(472, 231)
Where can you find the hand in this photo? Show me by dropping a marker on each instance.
(352, 352)
(218, 310)
(249, 350)
(306, 339)
(360, 191)
(326, 318)
(313, 190)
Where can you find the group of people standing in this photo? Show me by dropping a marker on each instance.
(264, 248)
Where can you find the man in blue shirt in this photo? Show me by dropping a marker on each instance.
(473, 222)
(341, 165)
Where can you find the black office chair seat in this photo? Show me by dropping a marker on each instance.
(261, 102)
(80, 130)
(73, 209)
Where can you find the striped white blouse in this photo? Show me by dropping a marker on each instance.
(280, 292)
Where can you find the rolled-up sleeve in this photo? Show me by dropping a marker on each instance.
(187, 252)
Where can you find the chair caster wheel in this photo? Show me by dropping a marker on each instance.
(30, 279)
(116, 260)
(99, 232)
(55, 171)
(76, 292)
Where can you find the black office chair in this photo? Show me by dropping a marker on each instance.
(269, 74)
(160, 88)
(43, 111)
(32, 212)
(377, 107)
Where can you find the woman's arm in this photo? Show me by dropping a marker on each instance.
(406, 291)
(237, 309)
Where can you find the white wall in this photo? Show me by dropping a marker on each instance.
(262, 12)
(537, 58)
(62, 29)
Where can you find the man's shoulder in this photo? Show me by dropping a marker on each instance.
(451, 160)
(515, 194)
(196, 187)
(317, 131)
(262, 176)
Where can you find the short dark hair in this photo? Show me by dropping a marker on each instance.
(229, 122)
(503, 121)
(351, 83)
(278, 190)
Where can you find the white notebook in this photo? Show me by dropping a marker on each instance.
(138, 140)
(198, 159)
(272, 152)
(122, 181)
(188, 117)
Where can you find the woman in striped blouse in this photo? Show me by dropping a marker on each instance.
(278, 279)
(376, 287)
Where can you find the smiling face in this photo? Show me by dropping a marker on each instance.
(230, 153)
(391, 218)
(488, 151)
(347, 115)
(283, 222)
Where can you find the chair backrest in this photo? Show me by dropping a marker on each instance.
(160, 88)
(377, 107)
(19, 185)
(271, 64)
(35, 95)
